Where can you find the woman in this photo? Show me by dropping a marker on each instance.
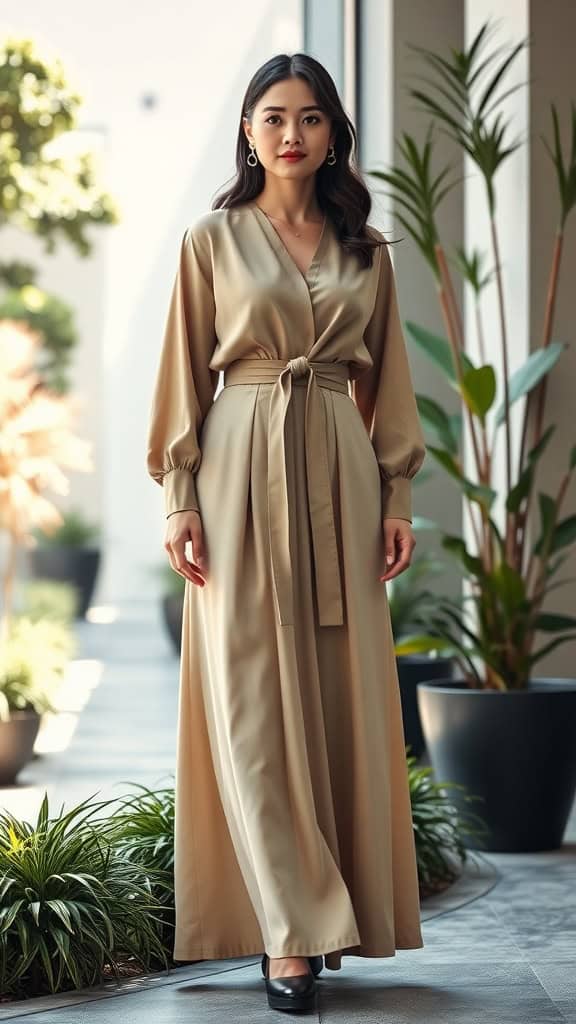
(293, 823)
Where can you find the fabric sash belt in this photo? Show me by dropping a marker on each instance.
(284, 374)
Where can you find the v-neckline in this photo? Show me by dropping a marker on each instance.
(280, 246)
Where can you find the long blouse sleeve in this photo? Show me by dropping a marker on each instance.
(185, 386)
(384, 395)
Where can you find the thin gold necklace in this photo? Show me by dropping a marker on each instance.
(286, 223)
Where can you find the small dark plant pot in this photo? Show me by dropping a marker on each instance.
(17, 739)
(413, 669)
(172, 606)
(76, 565)
(515, 749)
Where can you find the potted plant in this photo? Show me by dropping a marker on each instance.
(33, 657)
(409, 601)
(506, 733)
(69, 553)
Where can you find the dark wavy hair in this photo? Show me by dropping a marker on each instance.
(340, 189)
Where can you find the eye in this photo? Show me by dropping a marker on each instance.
(314, 116)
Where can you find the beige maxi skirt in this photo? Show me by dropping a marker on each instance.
(293, 827)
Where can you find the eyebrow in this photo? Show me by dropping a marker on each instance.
(284, 108)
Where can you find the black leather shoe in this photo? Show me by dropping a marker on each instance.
(316, 964)
(295, 993)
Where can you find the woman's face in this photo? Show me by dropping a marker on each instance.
(287, 118)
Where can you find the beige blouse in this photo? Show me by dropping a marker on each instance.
(239, 294)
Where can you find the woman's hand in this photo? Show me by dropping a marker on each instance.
(399, 543)
(183, 527)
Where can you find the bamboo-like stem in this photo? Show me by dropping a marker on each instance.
(455, 337)
(538, 595)
(449, 285)
(480, 333)
(532, 559)
(457, 340)
(469, 505)
(505, 371)
(446, 312)
(540, 391)
(487, 466)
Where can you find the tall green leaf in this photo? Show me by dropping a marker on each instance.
(526, 378)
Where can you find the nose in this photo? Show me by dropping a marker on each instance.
(292, 137)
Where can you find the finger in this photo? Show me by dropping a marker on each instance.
(181, 564)
(402, 564)
(199, 554)
(188, 570)
(192, 571)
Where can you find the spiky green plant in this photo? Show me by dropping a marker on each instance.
(439, 828)
(144, 834)
(71, 905)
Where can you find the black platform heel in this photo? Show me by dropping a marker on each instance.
(293, 993)
(316, 964)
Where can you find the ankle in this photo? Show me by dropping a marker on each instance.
(288, 966)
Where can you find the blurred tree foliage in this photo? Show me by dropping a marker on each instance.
(49, 181)
(49, 185)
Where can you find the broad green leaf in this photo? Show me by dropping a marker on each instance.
(547, 517)
(479, 389)
(421, 644)
(526, 378)
(438, 349)
(564, 534)
(457, 546)
(433, 414)
(446, 460)
(520, 491)
(479, 493)
(552, 623)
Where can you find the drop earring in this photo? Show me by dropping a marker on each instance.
(331, 159)
(252, 153)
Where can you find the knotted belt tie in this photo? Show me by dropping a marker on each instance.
(284, 374)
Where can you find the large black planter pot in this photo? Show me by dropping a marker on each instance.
(413, 669)
(17, 739)
(78, 566)
(516, 750)
(172, 607)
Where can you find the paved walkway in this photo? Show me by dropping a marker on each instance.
(500, 947)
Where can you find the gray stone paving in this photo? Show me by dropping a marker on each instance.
(499, 947)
